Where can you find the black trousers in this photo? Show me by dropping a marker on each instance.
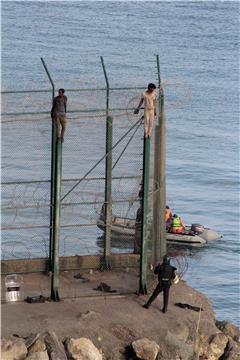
(161, 286)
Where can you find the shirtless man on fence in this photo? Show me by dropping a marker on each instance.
(58, 113)
(149, 99)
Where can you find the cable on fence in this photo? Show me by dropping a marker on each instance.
(99, 161)
(127, 144)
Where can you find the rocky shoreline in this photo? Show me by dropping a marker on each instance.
(223, 345)
(117, 327)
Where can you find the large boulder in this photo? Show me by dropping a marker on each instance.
(13, 348)
(82, 349)
(146, 349)
(41, 355)
(229, 329)
(54, 346)
(38, 346)
(216, 347)
(31, 339)
(232, 350)
(201, 344)
(185, 351)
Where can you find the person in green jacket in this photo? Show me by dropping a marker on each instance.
(177, 225)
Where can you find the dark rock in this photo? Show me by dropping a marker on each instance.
(55, 347)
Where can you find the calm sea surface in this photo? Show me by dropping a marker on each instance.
(198, 46)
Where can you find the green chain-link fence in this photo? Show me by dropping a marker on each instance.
(26, 149)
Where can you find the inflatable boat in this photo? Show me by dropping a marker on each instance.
(195, 235)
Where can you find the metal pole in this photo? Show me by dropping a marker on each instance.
(162, 179)
(156, 199)
(108, 180)
(159, 200)
(53, 140)
(108, 195)
(56, 223)
(107, 86)
(144, 232)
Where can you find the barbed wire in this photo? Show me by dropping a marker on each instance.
(177, 95)
(179, 259)
(27, 206)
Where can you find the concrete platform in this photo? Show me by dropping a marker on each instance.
(111, 320)
(124, 282)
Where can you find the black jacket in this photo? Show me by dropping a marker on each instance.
(166, 273)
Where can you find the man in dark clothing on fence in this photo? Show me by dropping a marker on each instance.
(58, 113)
(166, 274)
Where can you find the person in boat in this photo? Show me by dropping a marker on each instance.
(177, 225)
(166, 275)
(103, 212)
(148, 98)
(168, 218)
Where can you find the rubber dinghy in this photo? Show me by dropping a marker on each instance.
(194, 235)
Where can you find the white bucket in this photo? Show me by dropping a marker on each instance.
(14, 285)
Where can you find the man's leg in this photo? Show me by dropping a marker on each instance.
(166, 289)
(150, 122)
(63, 121)
(57, 124)
(146, 123)
(156, 292)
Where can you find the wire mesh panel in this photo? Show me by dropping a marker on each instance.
(26, 161)
(83, 187)
(26, 153)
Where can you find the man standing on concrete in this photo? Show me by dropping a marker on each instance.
(58, 113)
(166, 274)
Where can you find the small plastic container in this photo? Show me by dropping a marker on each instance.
(14, 287)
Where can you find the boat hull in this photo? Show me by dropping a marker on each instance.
(125, 228)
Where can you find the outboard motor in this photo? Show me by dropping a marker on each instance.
(197, 228)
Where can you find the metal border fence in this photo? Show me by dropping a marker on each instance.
(55, 184)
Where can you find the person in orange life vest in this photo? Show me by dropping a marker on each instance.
(168, 217)
(177, 225)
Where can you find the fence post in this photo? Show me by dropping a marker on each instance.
(56, 222)
(159, 201)
(144, 232)
(52, 175)
(108, 180)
